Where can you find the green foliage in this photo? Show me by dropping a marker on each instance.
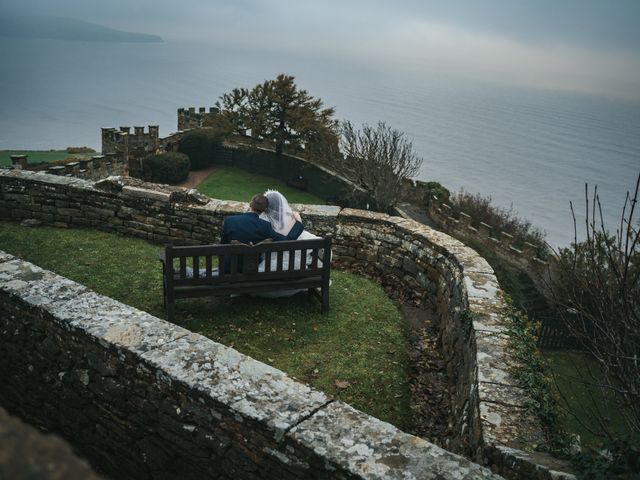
(35, 156)
(532, 374)
(505, 220)
(235, 184)
(361, 342)
(170, 167)
(200, 146)
(435, 189)
(619, 459)
(277, 113)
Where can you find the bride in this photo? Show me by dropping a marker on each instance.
(282, 219)
(281, 216)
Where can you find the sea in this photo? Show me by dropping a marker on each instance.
(532, 151)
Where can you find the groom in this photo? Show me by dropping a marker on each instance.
(249, 228)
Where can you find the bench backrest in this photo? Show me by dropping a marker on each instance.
(239, 263)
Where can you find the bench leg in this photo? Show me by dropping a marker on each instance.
(170, 310)
(324, 309)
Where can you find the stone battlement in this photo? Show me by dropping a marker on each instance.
(94, 168)
(525, 256)
(132, 146)
(189, 117)
(205, 416)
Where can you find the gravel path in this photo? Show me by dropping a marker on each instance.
(196, 177)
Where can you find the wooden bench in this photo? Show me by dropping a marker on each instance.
(241, 273)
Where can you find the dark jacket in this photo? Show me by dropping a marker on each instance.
(249, 228)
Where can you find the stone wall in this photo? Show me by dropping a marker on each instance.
(427, 265)
(332, 188)
(132, 147)
(524, 257)
(94, 168)
(144, 398)
(189, 118)
(26, 452)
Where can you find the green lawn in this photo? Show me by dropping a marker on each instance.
(35, 156)
(233, 183)
(361, 341)
(573, 372)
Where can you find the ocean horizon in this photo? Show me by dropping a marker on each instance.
(529, 149)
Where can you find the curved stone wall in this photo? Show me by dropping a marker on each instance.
(487, 409)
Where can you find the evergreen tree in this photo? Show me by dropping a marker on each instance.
(276, 111)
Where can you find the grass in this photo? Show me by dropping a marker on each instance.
(361, 341)
(39, 156)
(233, 183)
(573, 371)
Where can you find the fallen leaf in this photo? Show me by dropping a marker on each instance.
(342, 384)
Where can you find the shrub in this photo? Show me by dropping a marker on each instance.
(171, 167)
(434, 189)
(80, 150)
(379, 159)
(505, 220)
(597, 291)
(200, 146)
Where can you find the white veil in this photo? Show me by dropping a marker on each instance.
(279, 212)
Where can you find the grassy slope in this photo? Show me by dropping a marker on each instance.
(236, 184)
(571, 369)
(361, 341)
(35, 156)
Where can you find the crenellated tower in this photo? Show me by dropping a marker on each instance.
(132, 147)
(189, 118)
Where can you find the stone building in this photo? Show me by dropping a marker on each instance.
(132, 147)
(188, 118)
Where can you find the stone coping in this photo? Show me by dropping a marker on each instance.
(472, 286)
(294, 414)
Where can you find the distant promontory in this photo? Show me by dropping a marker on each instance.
(64, 28)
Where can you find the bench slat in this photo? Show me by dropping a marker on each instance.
(183, 267)
(242, 275)
(267, 262)
(279, 263)
(196, 267)
(246, 287)
(208, 265)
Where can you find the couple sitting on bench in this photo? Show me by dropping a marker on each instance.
(265, 251)
(269, 218)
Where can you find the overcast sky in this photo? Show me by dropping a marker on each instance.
(581, 45)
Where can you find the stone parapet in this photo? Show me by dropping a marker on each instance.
(144, 398)
(524, 257)
(189, 118)
(424, 264)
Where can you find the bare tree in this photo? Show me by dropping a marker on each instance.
(379, 159)
(597, 287)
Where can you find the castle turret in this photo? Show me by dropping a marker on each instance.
(189, 118)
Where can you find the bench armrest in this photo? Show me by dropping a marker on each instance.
(162, 257)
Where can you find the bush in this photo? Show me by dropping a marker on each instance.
(505, 220)
(434, 189)
(80, 150)
(171, 167)
(200, 146)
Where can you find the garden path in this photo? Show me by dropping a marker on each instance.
(196, 177)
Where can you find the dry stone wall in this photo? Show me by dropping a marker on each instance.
(487, 408)
(94, 168)
(144, 398)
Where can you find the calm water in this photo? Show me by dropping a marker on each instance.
(529, 149)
